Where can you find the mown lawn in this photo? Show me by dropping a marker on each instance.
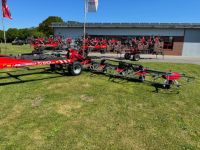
(16, 49)
(51, 111)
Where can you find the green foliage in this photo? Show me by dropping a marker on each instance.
(11, 34)
(41, 31)
(37, 34)
(44, 26)
(33, 32)
(1, 36)
(23, 34)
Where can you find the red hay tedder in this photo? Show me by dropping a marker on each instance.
(73, 62)
(136, 72)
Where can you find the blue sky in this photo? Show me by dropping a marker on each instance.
(29, 13)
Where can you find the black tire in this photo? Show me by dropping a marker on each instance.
(75, 69)
(53, 67)
(127, 56)
(142, 78)
(136, 57)
(102, 51)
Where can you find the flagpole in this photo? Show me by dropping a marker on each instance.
(3, 25)
(84, 30)
(4, 32)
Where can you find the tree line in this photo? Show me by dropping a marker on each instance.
(43, 30)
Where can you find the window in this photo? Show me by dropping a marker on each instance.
(168, 43)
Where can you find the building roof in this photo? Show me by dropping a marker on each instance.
(74, 24)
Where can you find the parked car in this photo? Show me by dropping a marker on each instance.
(18, 42)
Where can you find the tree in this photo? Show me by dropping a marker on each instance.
(37, 34)
(11, 34)
(1, 36)
(43, 30)
(23, 33)
(45, 25)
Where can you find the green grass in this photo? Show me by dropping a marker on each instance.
(90, 112)
(16, 49)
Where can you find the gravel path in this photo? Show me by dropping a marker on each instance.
(152, 58)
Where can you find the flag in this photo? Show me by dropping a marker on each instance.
(5, 10)
(92, 5)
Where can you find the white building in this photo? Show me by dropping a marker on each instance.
(184, 39)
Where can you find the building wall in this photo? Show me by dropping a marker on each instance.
(77, 32)
(191, 45)
(66, 32)
(177, 46)
(188, 45)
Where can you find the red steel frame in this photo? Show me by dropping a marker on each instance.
(9, 62)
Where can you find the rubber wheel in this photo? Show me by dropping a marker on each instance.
(102, 51)
(75, 69)
(136, 57)
(53, 67)
(167, 86)
(127, 56)
(142, 78)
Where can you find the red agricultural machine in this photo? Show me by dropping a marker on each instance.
(41, 44)
(132, 48)
(136, 72)
(137, 46)
(94, 45)
(72, 62)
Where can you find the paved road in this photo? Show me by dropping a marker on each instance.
(152, 58)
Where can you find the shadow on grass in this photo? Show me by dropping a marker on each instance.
(25, 81)
(26, 68)
(16, 76)
(158, 87)
(115, 79)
